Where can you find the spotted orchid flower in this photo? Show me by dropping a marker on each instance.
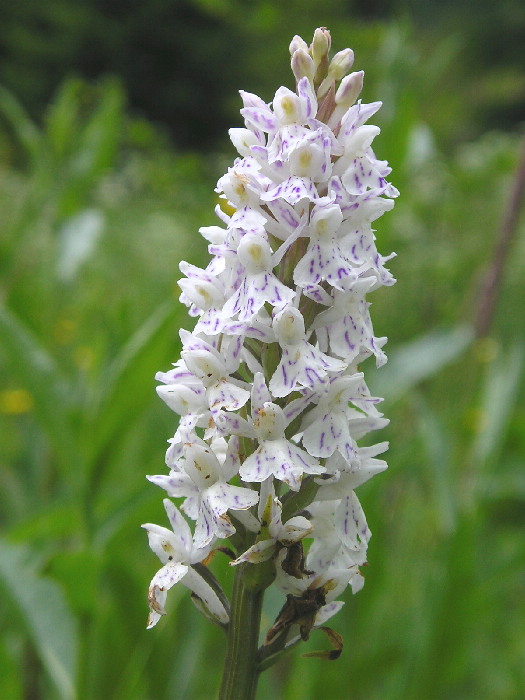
(324, 260)
(177, 552)
(259, 286)
(203, 482)
(275, 456)
(327, 426)
(302, 364)
(213, 369)
(340, 532)
(345, 327)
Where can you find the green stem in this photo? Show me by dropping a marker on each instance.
(239, 681)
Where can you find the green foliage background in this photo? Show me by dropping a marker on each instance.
(98, 204)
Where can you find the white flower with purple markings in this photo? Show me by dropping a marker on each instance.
(176, 550)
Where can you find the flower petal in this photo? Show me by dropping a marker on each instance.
(257, 553)
(205, 592)
(166, 577)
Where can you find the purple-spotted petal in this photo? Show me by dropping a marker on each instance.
(324, 436)
(176, 484)
(222, 497)
(292, 190)
(327, 611)
(179, 525)
(351, 523)
(227, 396)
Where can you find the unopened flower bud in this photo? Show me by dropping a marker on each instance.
(319, 52)
(302, 65)
(320, 45)
(349, 89)
(298, 44)
(341, 64)
(338, 68)
(347, 93)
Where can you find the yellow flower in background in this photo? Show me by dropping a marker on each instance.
(15, 401)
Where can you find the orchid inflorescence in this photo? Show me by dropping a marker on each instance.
(268, 387)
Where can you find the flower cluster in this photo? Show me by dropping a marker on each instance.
(268, 388)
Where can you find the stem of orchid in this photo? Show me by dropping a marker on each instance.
(239, 681)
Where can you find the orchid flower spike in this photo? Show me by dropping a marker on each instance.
(270, 388)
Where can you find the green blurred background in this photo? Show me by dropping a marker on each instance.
(113, 132)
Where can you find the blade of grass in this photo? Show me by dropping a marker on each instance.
(420, 359)
(35, 369)
(125, 388)
(500, 394)
(46, 615)
(25, 130)
(437, 446)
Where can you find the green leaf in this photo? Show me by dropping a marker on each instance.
(420, 359)
(129, 380)
(78, 572)
(99, 141)
(84, 127)
(437, 445)
(500, 393)
(25, 130)
(62, 117)
(54, 520)
(36, 370)
(45, 614)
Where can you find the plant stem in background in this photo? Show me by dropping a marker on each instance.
(492, 281)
